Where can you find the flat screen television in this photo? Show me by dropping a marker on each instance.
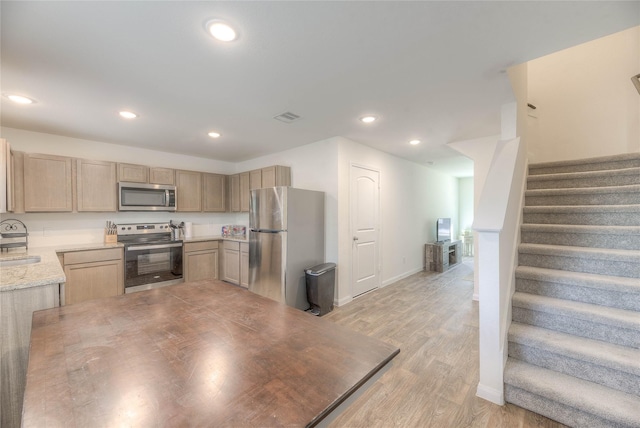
(443, 229)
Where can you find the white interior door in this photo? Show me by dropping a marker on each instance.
(365, 213)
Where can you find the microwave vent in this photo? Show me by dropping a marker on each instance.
(287, 117)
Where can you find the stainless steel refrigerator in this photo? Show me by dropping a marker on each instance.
(286, 236)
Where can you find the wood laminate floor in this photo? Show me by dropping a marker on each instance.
(432, 318)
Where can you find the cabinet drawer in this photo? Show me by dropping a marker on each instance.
(199, 246)
(231, 245)
(92, 256)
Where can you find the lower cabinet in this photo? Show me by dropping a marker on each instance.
(92, 274)
(200, 260)
(235, 259)
(244, 264)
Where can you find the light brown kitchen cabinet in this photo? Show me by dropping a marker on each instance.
(96, 185)
(245, 194)
(244, 264)
(214, 192)
(200, 260)
(92, 274)
(133, 173)
(161, 175)
(255, 179)
(47, 183)
(189, 190)
(276, 175)
(231, 262)
(234, 193)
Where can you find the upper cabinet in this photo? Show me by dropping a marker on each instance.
(96, 185)
(277, 175)
(47, 183)
(214, 192)
(241, 184)
(145, 174)
(161, 176)
(133, 173)
(189, 190)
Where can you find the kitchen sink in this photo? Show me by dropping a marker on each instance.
(23, 261)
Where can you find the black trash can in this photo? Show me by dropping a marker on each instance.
(321, 281)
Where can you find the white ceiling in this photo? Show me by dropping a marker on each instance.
(430, 70)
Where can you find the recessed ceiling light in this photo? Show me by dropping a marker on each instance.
(368, 119)
(20, 99)
(128, 115)
(214, 134)
(221, 31)
(414, 142)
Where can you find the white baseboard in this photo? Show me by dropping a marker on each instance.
(343, 301)
(399, 277)
(490, 394)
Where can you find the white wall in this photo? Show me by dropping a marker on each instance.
(465, 203)
(412, 198)
(586, 103)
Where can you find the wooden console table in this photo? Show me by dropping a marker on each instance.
(441, 256)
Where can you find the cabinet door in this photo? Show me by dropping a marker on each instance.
(245, 195)
(244, 265)
(276, 176)
(234, 193)
(87, 281)
(161, 176)
(189, 188)
(133, 173)
(201, 265)
(47, 183)
(232, 266)
(96, 185)
(214, 192)
(255, 179)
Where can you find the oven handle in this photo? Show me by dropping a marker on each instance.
(152, 247)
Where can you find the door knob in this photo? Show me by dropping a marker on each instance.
(355, 238)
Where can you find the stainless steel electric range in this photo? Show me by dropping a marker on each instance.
(152, 258)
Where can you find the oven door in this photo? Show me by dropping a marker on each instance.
(152, 265)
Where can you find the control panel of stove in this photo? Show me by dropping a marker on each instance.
(141, 228)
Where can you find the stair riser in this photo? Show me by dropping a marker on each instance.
(594, 240)
(613, 180)
(610, 298)
(616, 379)
(600, 166)
(556, 411)
(595, 219)
(626, 198)
(581, 264)
(578, 327)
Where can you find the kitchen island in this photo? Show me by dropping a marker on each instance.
(203, 353)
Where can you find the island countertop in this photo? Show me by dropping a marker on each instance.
(203, 353)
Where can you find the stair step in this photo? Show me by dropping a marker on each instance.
(617, 326)
(613, 291)
(616, 177)
(608, 195)
(614, 366)
(571, 401)
(620, 215)
(600, 261)
(597, 236)
(626, 160)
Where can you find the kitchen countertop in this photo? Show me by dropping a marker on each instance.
(47, 271)
(203, 353)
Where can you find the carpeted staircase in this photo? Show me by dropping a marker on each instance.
(574, 343)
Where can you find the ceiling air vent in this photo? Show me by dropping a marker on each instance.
(287, 117)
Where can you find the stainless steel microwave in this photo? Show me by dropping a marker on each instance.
(146, 197)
